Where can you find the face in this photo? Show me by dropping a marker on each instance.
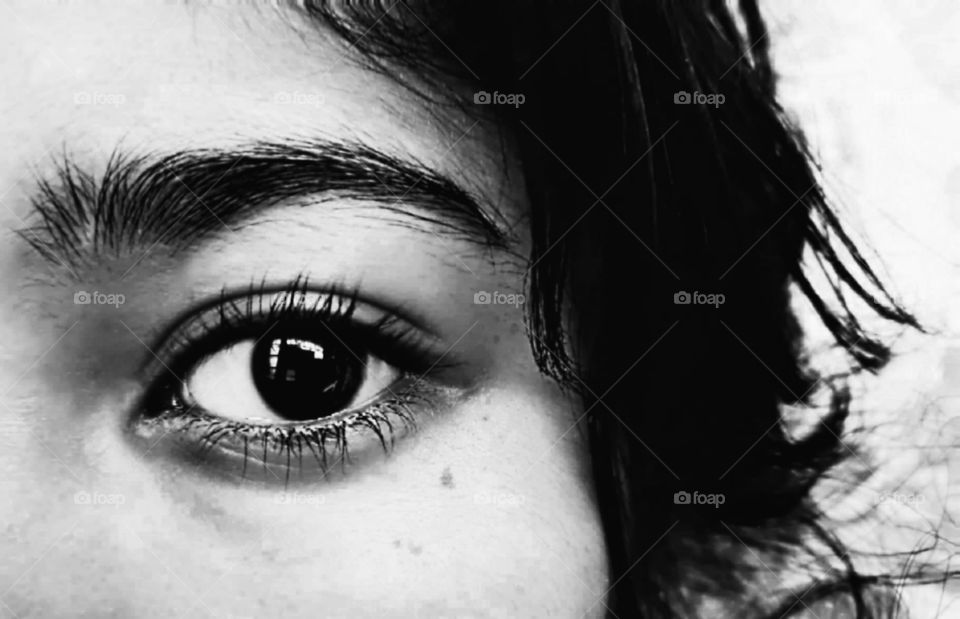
(263, 335)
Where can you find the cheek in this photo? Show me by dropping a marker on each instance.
(488, 511)
(525, 500)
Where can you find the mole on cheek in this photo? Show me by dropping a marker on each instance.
(446, 478)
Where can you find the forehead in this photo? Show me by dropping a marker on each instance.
(162, 75)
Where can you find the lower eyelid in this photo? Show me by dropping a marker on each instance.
(273, 454)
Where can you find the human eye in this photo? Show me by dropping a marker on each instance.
(270, 383)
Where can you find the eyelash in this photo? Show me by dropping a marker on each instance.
(237, 317)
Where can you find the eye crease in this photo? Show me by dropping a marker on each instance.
(273, 376)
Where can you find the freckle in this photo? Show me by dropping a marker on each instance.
(396, 543)
(496, 339)
(415, 549)
(446, 478)
(486, 418)
(514, 329)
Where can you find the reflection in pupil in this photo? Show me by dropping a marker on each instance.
(301, 379)
(288, 370)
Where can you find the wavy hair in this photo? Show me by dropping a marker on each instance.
(659, 164)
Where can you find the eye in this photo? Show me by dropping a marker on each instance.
(287, 377)
(283, 376)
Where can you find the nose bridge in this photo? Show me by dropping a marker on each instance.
(70, 501)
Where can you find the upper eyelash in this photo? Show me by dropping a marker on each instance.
(234, 313)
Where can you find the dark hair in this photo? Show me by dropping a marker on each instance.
(635, 198)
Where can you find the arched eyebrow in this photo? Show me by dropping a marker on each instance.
(176, 199)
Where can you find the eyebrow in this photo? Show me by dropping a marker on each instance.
(177, 199)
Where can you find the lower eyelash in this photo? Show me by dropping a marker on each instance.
(326, 441)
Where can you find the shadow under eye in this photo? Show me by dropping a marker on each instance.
(286, 454)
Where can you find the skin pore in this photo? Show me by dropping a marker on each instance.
(486, 510)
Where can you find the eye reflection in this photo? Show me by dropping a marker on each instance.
(290, 372)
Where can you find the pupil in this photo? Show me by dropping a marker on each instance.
(302, 379)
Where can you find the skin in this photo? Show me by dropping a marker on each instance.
(486, 511)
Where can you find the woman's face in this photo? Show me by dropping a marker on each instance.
(156, 354)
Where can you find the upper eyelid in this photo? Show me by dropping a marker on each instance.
(300, 285)
(177, 199)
